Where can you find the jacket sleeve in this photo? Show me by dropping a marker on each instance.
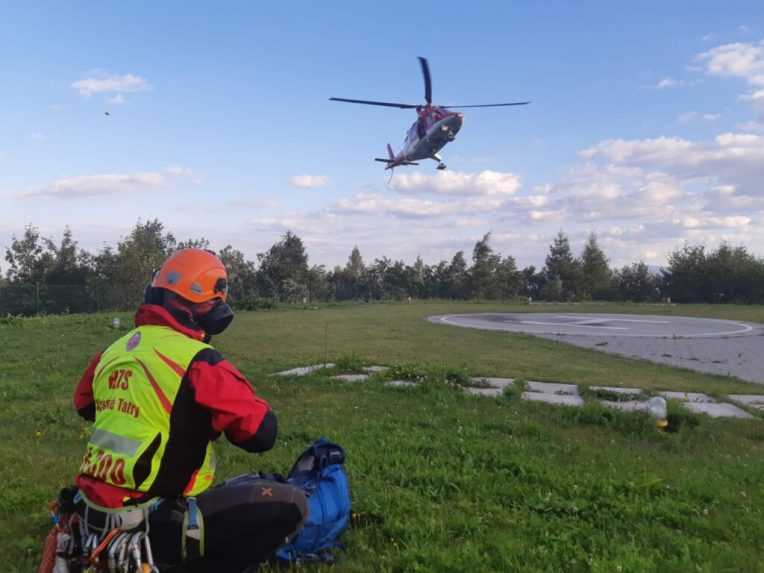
(235, 409)
(83, 392)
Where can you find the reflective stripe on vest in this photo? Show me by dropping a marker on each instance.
(134, 388)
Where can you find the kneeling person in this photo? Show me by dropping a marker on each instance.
(159, 397)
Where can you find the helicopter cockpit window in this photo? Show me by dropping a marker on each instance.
(411, 134)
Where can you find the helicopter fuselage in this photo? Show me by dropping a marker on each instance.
(429, 134)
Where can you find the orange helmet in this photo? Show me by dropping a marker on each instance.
(196, 275)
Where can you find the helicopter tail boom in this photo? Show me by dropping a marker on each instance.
(393, 163)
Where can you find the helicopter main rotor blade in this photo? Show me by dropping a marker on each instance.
(487, 105)
(382, 103)
(427, 80)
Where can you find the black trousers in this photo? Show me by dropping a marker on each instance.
(243, 524)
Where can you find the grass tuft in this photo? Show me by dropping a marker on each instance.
(350, 364)
(680, 417)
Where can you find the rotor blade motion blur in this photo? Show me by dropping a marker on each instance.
(487, 105)
(382, 103)
(427, 80)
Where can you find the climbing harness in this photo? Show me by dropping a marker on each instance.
(96, 539)
(77, 545)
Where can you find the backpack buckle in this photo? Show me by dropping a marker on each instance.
(193, 531)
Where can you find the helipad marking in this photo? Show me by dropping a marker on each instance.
(744, 327)
(577, 324)
(607, 319)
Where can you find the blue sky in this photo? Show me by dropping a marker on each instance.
(646, 124)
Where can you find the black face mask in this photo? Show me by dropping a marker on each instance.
(217, 319)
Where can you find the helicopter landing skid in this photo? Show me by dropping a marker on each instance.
(441, 165)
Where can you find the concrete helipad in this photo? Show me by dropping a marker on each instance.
(602, 325)
(726, 347)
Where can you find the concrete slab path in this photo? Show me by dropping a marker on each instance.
(750, 400)
(558, 399)
(304, 370)
(352, 377)
(565, 394)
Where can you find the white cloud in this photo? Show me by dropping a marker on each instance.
(751, 126)
(691, 116)
(725, 189)
(678, 190)
(692, 222)
(621, 150)
(118, 99)
(308, 181)
(179, 171)
(733, 156)
(757, 100)
(546, 216)
(531, 201)
(458, 183)
(455, 193)
(89, 185)
(253, 203)
(472, 222)
(107, 184)
(375, 204)
(741, 60)
(660, 192)
(103, 82)
(665, 83)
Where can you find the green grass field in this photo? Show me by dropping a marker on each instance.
(442, 481)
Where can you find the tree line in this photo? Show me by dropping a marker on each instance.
(43, 276)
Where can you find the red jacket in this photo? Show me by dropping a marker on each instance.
(217, 387)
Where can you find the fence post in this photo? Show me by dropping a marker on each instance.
(37, 298)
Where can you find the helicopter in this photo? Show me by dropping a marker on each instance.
(436, 125)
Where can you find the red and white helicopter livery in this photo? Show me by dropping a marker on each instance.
(435, 126)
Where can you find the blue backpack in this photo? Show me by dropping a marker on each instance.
(319, 472)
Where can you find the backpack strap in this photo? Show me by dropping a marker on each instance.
(193, 531)
(319, 455)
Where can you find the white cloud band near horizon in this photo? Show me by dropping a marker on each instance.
(76, 187)
(457, 183)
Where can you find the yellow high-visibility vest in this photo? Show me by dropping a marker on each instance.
(135, 388)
